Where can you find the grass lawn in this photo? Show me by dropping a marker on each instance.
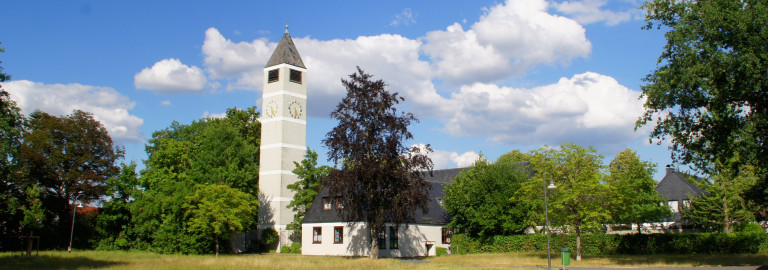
(146, 260)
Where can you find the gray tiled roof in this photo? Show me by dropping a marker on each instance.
(674, 187)
(286, 53)
(435, 214)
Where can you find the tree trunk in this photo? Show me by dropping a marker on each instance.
(726, 221)
(29, 244)
(578, 244)
(217, 246)
(639, 228)
(374, 245)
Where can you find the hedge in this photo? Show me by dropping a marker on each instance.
(613, 244)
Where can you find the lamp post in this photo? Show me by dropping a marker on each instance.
(74, 212)
(546, 216)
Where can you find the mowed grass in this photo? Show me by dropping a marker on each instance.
(147, 260)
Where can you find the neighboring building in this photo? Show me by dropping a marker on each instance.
(324, 232)
(283, 135)
(678, 192)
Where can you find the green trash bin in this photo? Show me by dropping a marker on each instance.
(565, 255)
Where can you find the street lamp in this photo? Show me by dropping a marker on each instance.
(74, 212)
(546, 215)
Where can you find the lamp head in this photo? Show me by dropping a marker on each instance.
(551, 185)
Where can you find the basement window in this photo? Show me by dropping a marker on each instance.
(273, 75)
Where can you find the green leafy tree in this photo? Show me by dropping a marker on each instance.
(11, 192)
(633, 195)
(310, 182)
(482, 201)
(113, 221)
(515, 156)
(708, 93)
(723, 205)
(66, 157)
(579, 201)
(219, 210)
(380, 180)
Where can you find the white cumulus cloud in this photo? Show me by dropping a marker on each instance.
(588, 108)
(107, 105)
(170, 76)
(243, 61)
(510, 39)
(593, 11)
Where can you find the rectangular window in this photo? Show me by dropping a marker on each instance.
(295, 76)
(382, 240)
(273, 75)
(446, 235)
(326, 203)
(317, 235)
(687, 203)
(392, 237)
(338, 235)
(339, 204)
(673, 206)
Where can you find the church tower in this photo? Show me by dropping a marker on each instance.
(283, 135)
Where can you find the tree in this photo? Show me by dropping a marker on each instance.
(722, 205)
(482, 199)
(579, 201)
(380, 180)
(11, 192)
(633, 195)
(114, 218)
(708, 93)
(310, 182)
(219, 210)
(66, 157)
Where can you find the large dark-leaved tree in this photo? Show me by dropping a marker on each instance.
(708, 93)
(379, 180)
(67, 156)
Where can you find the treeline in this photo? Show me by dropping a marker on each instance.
(199, 186)
(507, 197)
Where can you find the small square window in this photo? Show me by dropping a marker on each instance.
(446, 235)
(317, 235)
(339, 204)
(392, 237)
(326, 203)
(295, 76)
(382, 241)
(273, 75)
(338, 235)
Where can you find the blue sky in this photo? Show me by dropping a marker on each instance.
(482, 76)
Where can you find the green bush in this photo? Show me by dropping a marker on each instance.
(269, 237)
(441, 251)
(611, 244)
(295, 248)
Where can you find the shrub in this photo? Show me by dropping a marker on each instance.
(295, 248)
(441, 251)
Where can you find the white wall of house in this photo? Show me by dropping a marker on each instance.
(411, 241)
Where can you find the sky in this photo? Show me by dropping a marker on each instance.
(483, 77)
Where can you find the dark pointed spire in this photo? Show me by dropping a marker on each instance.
(286, 53)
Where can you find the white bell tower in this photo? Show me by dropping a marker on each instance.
(283, 135)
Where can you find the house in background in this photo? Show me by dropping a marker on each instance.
(678, 192)
(324, 232)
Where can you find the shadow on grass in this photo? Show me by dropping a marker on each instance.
(689, 259)
(53, 262)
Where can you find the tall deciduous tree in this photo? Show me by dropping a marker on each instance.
(633, 195)
(11, 192)
(310, 182)
(67, 156)
(579, 201)
(708, 93)
(380, 180)
(113, 222)
(482, 199)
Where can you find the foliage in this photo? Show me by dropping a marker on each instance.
(113, 223)
(219, 210)
(480, 199)
(380, 179)
(294, 248)
(11, 191)
(33, 211)
(633, 195)
(580, 199)
(441, 251)
(514, 156)
(310, 182)
(615, 244)
(722, 204)
(269, 237)
(708, 93)
(208, 152)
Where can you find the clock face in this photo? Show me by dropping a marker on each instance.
(294, 109)
(271, 109)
